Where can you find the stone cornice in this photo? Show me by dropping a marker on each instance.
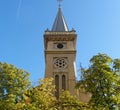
(60, 52)
(60, 33)
(60, 38)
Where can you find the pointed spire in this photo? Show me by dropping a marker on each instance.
(60, 23)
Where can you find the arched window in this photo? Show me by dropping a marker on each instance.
(57, 85)
(63, 82)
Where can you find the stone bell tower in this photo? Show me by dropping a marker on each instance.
(60, 55)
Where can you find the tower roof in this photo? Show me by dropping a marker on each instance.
(59, 23)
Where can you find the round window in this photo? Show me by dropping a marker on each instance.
(60, 63)
(60, 46)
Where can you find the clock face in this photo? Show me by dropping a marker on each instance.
(60, 46)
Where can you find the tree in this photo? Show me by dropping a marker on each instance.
(41, 97)
(13, 83)
(69, 102)
(102, 80)
(16, 93)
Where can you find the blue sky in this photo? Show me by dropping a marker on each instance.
(23, 22)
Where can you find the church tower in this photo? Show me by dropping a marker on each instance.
(60, 55)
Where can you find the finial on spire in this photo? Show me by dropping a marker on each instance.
(59, 2)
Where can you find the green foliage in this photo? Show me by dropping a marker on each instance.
(13, 83)
(69, 102)
(41, 97)
(16, 93)
(102, 80)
